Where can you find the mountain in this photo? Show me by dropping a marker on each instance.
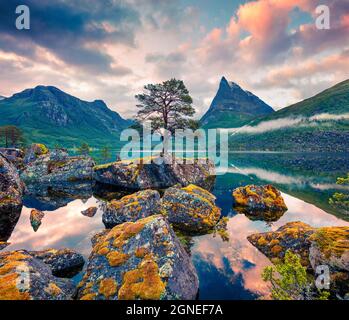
(310, 132)
(233, 107)
(334, 100)
(51, 116)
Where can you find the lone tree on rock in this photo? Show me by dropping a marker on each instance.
(167, 105)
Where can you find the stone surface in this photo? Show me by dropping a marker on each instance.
(11, 191)
(190, 208)
(13, 155)
(293, 235)
(64, 263)
(35, 219)
(45, 167)
(328, 246)
(23, 277)
(139, 260)
(259, 202)
(137, 176)
(131, 208)
(90, 212)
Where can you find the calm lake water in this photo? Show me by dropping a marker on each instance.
(227, 269)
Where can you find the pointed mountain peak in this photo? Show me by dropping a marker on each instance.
(225, 84)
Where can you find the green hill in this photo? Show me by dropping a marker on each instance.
(49, 115)
(319, 127)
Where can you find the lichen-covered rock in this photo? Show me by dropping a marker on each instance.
(64, 263)
(131, 208)
(330, 246)
(11, 191)
(259, 202)
(90, 212)
(190, 208)
(137, 176)
(293, 235)
(23, 277)
(13, 155)
(139, 260)
(35, 151)
(35, 219)
(327, 246)
(45, 167)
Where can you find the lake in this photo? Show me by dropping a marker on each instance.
(226, 269)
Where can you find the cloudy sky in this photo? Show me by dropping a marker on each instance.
(109, 49)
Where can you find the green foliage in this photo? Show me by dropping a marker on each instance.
(84, 149)
(289, 280)
(167, 105)
(341, 200)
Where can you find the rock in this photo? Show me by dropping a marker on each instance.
(13, 155)
(35, 151)
(11, 191)
(90, 212)
(259, 202)
(52, 168)
(139, 260)
(328, 246)
(64, 263)
(137, 176)
(3, 245)
(293, 235)
(131, 208)
(190, 208)
(35, 219)
(23, 277)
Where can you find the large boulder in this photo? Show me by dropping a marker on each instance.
(23, 277)
(138, 176)
(139, 260)
(259, 202)
(11, 191)
(64, 263)
(56, 167)
(328, 246)
(131, 208)
(190, 208)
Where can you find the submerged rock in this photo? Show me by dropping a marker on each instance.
(259, 202)
(23, 277)
(139, 260)
(11, 191)
(64, 263)
(45, 167)
(90, 212)
(328, 246)
(131, 208)
(138, 176)
(35, 219)
(190, 208)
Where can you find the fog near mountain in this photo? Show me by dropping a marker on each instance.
(285, 123)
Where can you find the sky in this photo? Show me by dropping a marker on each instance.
(110, 49)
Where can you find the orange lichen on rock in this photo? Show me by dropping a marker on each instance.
(108, 287)
(53, 289)
(142, 283)
(332, 240)
(89, 296)
(116, 258)
(141, 252)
